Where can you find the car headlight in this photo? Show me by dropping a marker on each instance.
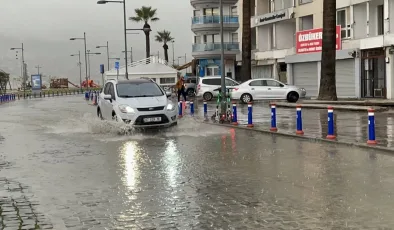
(170, 107)
(126, 109)
(302, 89)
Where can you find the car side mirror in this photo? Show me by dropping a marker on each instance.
(168, 93)
(281, 85)
(107, 97)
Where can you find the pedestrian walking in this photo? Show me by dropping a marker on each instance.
(180, 86)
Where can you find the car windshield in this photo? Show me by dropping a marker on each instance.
(140, 89)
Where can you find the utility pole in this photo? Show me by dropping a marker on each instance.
(223, 107)
(173, 53)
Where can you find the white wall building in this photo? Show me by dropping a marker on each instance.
(364, 67)
(206, 40)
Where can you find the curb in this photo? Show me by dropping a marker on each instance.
(316, 139)
(322, 106)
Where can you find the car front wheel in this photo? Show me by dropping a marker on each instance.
(246, 98)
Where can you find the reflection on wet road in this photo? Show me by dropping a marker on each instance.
(62, 168)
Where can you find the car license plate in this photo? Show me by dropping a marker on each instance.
(152, 119)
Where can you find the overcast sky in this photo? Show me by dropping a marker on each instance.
(45, 26)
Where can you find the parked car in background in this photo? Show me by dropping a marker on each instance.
(266, 88)
(207, 85)
(190, 86)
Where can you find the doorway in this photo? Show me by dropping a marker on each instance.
(373, 73)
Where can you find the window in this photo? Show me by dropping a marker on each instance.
(191, 80)
(112, 91)
(213, 81)
(212, 71)
(256, 83)
(380, 20)
(196, 13)
(139, 90)
(272, 83)
(165, 80)
(229, 82)
(211, 11)
(197, 40)
(305, 1)
(234, 11)
(306, 22)
(106, 89)
(343, 21)
(234, 37)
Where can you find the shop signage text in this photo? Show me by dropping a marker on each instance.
(309, 41)
(276, 16)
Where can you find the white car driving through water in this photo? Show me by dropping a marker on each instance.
(139, 102)
(266, 88)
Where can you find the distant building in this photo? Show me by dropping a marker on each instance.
(206, 47)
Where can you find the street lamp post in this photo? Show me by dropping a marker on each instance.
(131, 54)
(107, 46)
(23, 67)
(86, 58)
(173, 53)
(124, 27)
(80, 67)
(38, 69)
(89, 53)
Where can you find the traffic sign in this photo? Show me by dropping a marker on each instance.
(116, 65)
(102, 68)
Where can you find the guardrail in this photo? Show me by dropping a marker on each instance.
(215, 19)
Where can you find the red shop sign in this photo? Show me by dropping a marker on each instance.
(310, 41)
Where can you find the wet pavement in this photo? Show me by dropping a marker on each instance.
(349, 126)
(62, 168)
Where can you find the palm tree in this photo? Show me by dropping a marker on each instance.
(145, 14)
(328, 89)
(164, 37)
(246, 41)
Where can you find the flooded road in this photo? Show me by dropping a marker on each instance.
(62, 168)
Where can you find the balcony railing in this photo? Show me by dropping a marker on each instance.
(213, 19)
(228, 46)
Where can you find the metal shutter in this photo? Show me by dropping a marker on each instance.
(306, 76)
(345, 81)
(262, 71)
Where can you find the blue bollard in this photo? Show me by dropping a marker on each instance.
(273, 118)
(330, 119)
(91, 96)
(1, 98)
(180, 109)
(235, 117)
(250, 116)
(299, 121)
(371, 127)
(192, 108)
(87, 95)
(205, 109)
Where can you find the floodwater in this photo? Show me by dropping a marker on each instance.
(62, 168)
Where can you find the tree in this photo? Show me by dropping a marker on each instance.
(4, 79)
(145, 14)
(164, 37)
(246, 42)
(328, 89)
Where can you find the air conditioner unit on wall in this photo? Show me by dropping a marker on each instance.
(378, 92)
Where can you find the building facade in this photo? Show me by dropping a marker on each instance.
(288, 44)
(206, 47)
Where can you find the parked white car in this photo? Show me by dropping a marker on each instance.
(266, 88)
(140, 102)
(207, 85)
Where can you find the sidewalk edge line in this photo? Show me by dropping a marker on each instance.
(316, 139)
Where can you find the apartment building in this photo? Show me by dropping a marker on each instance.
(206, 47)
(288, 44)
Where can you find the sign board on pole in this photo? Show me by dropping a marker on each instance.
(36, 83)
(102, 68)
(116, 65)
(310, 41)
